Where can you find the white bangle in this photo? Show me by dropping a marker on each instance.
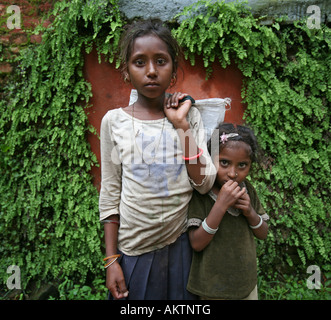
(258, 225)
(207, 228)
(110, 263)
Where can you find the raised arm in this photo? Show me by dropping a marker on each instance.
(197, 160)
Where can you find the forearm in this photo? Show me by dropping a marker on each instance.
(199, 238)
(195, 167)
(115, 281)
(254, 219)
(111, 234)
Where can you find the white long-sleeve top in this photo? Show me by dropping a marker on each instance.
(144, 179)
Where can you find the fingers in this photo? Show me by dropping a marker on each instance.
(173, 100)
(243, 203)
(121, 288)
(232, 195)
(243, 194)
(233, 189)
(118, 290)
(232, 185)
(240, 203)
(115, 282)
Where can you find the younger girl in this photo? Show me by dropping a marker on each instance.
(152, 153)
(223, 223)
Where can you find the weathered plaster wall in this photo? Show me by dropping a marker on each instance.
(166, 10)
(110, 92)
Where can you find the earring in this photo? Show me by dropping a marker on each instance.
(173, 80)
(126, 77)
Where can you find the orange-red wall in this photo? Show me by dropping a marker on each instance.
(109, 92)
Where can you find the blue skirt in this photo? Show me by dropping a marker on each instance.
(161, 274)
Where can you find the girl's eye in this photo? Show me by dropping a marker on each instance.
(139, 62)
(161, 61)
(224, 163)
(242, 165)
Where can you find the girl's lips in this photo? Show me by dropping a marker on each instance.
(152, 84)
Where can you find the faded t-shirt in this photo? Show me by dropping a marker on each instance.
(145, 181)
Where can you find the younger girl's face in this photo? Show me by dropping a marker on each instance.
(150, 67)
(233, 162)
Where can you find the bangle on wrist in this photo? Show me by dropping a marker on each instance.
(114, 257)
(258, 225)
(195, 156)
(108, 264)
(187, 98)
(207, 228)
(110, 221)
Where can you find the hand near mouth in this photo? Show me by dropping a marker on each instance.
(244, 204)
(230, 193)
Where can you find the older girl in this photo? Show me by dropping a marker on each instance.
(153, 154)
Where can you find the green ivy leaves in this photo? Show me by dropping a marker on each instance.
(49, 206)
(286, 88)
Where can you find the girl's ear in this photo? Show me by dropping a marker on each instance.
(126, 77)
(173, 79)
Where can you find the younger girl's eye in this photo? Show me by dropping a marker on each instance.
(242, 165)
(224, 163)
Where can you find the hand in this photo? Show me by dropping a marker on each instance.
(230, 193)
(244, 204)
(115, 281)
(176, 112)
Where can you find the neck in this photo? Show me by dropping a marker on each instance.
(150, 105)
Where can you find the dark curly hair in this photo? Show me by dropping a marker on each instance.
(245, 134)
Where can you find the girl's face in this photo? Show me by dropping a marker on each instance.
(233, 162)
(150, 67)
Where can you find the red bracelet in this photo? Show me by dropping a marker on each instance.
(110, 221)
(194, 157)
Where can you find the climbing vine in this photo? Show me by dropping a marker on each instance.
(48, 204)
(287, 70)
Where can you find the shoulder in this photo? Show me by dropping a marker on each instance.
(197, 196)
(199, 205)
(251, 191)
(114, 113)
(250, 188)
(196, 210)
(114, 116)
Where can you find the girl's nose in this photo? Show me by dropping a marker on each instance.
(151, 70)
(232, 174)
